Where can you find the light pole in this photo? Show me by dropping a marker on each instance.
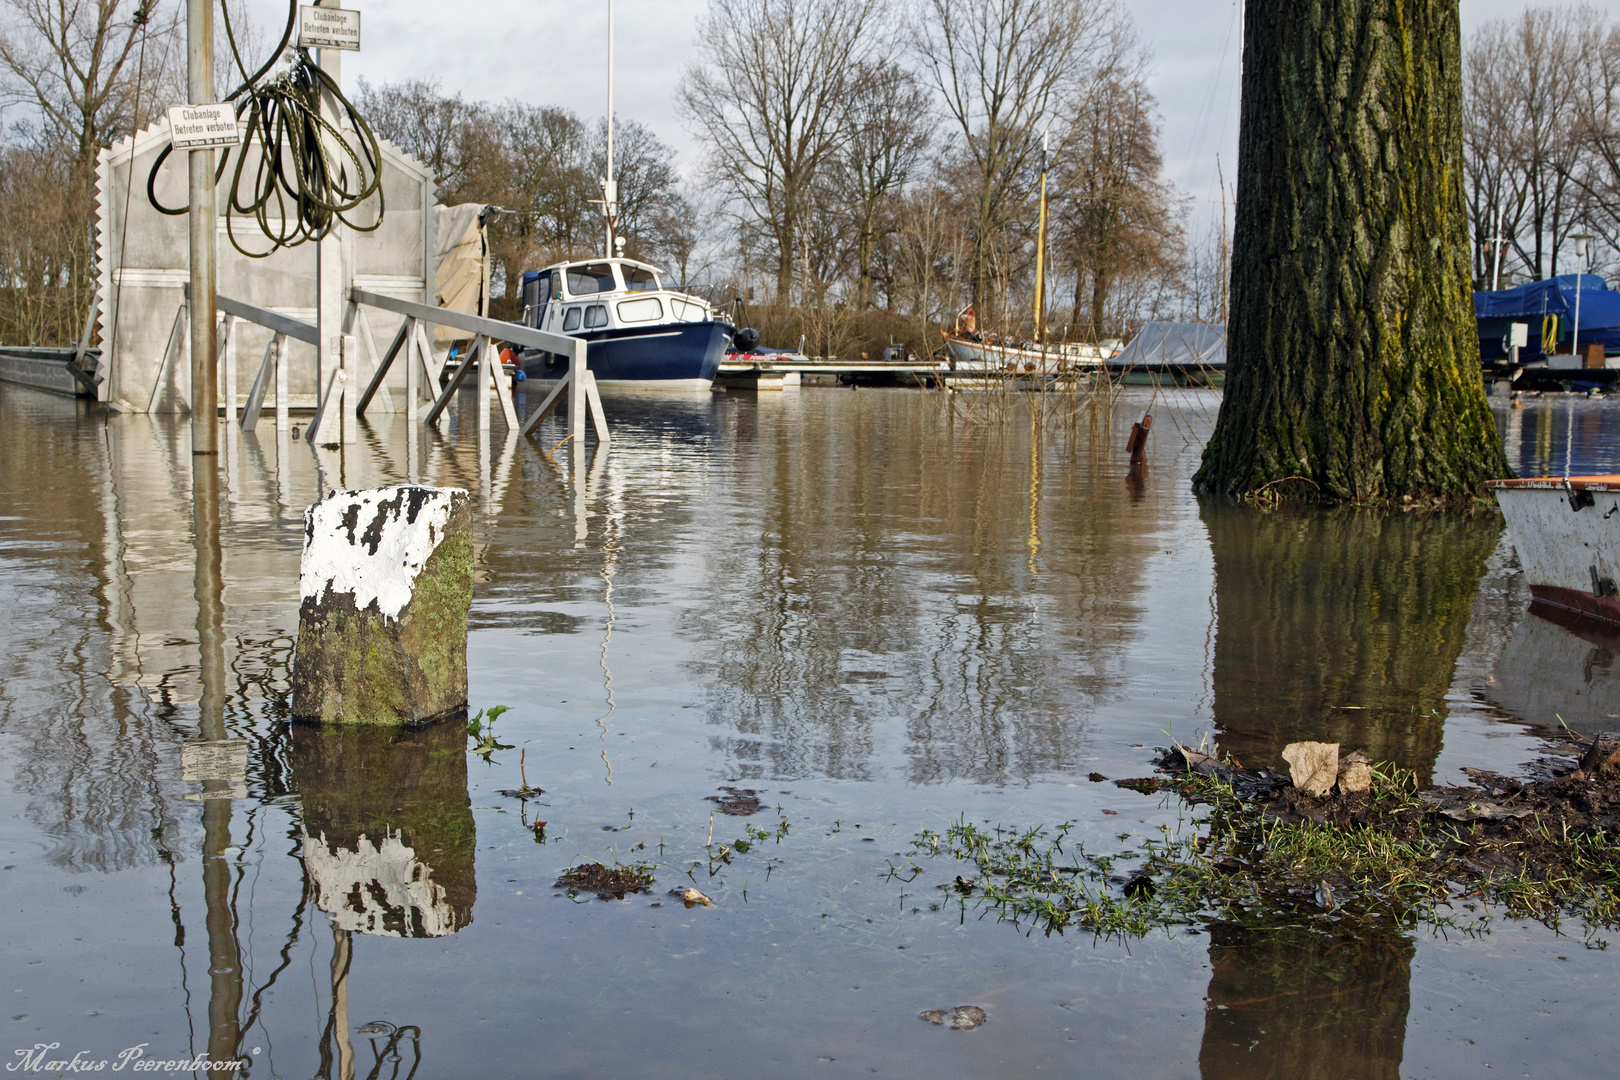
(1581, 241)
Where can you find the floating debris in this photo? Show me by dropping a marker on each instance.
(961, 1018)
(607, 882)
(738, 801)
(692, 898)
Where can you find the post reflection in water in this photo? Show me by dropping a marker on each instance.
(1292, 1005)
(388, 826)
(1340, 627)
(224, 952)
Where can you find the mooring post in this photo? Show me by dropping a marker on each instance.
(386, 585)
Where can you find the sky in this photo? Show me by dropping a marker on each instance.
(553, 52)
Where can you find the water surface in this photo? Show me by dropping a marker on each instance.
(876, 616)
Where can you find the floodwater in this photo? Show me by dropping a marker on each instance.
(877, 618)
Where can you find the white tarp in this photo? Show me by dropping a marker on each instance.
(461, 282)
(1180, 343)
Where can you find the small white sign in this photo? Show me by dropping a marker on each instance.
(328, 28)
(203, 127)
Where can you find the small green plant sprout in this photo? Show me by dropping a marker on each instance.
(481, 728)
(525, 792)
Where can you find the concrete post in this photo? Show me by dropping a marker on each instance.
(386, 584)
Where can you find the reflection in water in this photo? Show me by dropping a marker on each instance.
(1286, 1005)
(1340, 626)
(897, 568)
(224, 951)
(1559, 666)
(840, 585)
(1561, 435)
(388, 826)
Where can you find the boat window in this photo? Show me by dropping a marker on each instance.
(571, 319)
(637, 279)
(588, 278)
(595, 315)
(647, 309)
(687, 311)
(539, 291)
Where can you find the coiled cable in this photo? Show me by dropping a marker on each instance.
(310, 174)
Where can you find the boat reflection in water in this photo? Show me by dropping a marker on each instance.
(1559, 666)
(388, 827)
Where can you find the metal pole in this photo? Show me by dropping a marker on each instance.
(331, 286)
(200, 193)
(1496, 246)
(610, 190)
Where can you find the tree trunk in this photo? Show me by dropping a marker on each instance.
(1353, 361)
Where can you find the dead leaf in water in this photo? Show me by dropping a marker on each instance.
(961, 1018)
(1314, 766)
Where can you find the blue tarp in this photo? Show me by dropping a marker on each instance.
(1532, 303)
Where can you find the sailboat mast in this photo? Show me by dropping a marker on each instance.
(1040, 239)
(610, 190)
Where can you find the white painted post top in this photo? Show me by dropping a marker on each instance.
(373, 543)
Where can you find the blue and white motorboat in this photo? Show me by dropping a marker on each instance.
(640, 334)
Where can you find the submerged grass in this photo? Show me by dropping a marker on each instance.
(1243, 858)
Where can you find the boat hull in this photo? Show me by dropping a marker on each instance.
(664, 356)
(971, 356)
(1567, 534)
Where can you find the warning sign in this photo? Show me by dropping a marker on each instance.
(328, 28)
(203, 127)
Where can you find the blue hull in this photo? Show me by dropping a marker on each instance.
(673, 353)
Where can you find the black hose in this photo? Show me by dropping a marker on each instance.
(311, 173)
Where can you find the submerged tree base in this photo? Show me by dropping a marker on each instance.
(1267, 854)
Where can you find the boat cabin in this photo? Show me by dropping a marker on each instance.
(603, 294)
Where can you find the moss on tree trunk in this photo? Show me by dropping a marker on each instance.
(1352, 356)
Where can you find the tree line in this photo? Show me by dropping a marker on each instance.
(868, 169)
(1541, 139)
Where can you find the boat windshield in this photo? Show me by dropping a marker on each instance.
(587, 278)
(637, 279)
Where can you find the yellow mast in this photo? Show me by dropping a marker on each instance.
(1040, 241)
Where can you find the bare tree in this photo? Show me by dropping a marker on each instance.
(74, 65)
(887, 134)
(1113, 221)
(768, 93)
(452, 137)
(1598, 116)
(645, 169)
(1005, 70)
(1522, 148)
(930, 252)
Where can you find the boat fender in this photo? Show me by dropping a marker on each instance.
(747, 338)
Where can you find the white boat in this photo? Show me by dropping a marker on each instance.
(640, 334)
(972, 353)
(1567, 533)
